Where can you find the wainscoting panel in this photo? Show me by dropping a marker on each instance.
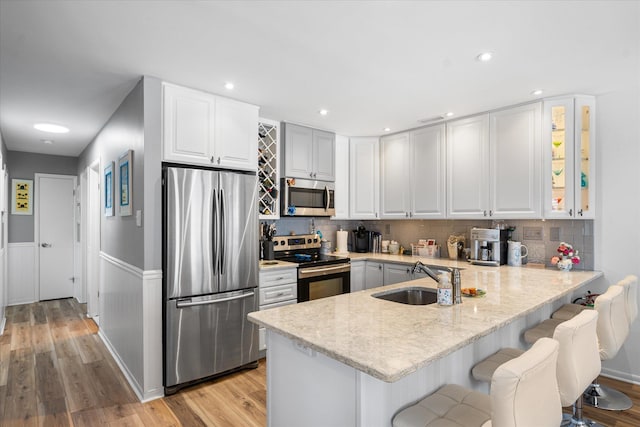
(22, 281)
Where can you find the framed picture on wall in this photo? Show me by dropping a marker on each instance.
(108, 189)
(22, 196)
(125, 189)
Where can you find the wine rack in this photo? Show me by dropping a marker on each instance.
(268, 141)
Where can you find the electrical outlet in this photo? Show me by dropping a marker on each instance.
(532, 233)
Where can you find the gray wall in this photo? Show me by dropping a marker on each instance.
(119, 235)
(25, 166)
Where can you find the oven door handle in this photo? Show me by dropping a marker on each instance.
(322, 271)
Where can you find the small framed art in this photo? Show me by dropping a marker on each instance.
(125, 189)
(22, 196)
(108, 189)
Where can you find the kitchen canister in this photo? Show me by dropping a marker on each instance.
(515, 253)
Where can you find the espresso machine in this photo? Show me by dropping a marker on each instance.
(488, 246)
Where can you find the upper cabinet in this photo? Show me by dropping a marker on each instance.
(204, 129)
(412, 174)
(494, 164)
(569, 166)
(364, 175)
(308, 153)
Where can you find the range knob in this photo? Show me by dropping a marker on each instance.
(308, 240)
(315, 240)
(281, 242)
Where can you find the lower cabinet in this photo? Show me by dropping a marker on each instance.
(276, 288)
(374, 275)
(357, 275)
(396, 273)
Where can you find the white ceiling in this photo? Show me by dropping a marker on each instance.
(371, 64)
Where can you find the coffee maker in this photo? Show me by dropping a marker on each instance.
(488, 246)
(366, 240)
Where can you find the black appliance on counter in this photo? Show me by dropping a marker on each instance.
(366, 240)
(319, 275)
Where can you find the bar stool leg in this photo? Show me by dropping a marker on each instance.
(604, 397)
(577, 420)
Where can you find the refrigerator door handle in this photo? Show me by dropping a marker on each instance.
(188, 303)
(223, 227)
(214, 232)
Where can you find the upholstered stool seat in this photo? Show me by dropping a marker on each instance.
(569, 311)
(543, 329)
(524, 392)
(484, 370)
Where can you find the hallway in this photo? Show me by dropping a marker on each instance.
(55, 371)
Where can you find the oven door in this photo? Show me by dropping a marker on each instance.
(323, 281)
(303, 197)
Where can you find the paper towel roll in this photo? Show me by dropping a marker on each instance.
(341, 241)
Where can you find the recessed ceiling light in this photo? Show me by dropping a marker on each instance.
(50, 127)
(323, 112)
(47, 141)
(229, 86)
(537, 92)
(387, 129)
(485, 57)
(449, 114)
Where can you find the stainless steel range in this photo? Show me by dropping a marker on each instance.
(319, 275)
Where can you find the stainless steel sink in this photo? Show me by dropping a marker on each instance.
(411, 296)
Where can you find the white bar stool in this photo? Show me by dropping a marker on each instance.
(578, 363)
(524, 392)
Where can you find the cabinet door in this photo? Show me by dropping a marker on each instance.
(516, 161)
(188, 125)
(341, 193)
(396, 273)
(236, 135)
(298, 151)
(324, 147)
(357, 275)
(395, 152)
(363, 178)
(374, 275)
(468, 167)
(427, 172)
(584, 166)
(558, 169)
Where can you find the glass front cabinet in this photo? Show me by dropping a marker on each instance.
(569, 150)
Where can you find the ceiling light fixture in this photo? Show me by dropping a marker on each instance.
(537, 92)
(50, 127)
(47, 141)
(323, 112)
(229, 86)
(449, 114)
(485, 57)
(387, 129)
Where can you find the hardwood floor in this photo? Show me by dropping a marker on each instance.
(55, 371)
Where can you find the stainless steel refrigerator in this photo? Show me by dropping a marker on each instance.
(210, 273)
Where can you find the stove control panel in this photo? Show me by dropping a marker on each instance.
(302, 241)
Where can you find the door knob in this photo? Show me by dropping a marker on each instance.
(45, 245)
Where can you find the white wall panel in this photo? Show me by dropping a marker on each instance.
(22, 280)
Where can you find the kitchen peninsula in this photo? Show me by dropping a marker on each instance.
(355, 360)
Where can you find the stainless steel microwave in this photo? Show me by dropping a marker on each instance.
(304, 197)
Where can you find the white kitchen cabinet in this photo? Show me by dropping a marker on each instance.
(396, 273)
(374, 275)
(308, 153)
(341, 194)
(468, 167)
(357, 275)
(412, 174)
(364, 175)
(276, 288)
(515, 146)
(569, 157)
(494, 165)
(268, 169)
(204, 129)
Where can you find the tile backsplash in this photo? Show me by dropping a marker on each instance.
(540, 237)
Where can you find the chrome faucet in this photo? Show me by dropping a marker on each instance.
(455, 278)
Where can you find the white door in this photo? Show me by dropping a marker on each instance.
(92, 241)
(55, 222)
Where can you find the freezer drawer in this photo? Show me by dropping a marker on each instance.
(209, 335)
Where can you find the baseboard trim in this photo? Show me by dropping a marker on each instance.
(620, 376)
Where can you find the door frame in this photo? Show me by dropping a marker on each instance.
(91, 223)
(36, 219)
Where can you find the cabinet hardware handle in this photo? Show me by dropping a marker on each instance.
(218, 160)
(212, 159)
(484, 213)
(580, 212)
(380, 267)
(406, 214)
(280, 278)
(376, 214)
(490, 213)
(570, 212)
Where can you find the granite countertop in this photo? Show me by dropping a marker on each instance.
(275, 265)
(388, 340)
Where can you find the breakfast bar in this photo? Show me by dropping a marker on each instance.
(355, 360)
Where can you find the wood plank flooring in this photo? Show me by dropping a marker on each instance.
(55, 371)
